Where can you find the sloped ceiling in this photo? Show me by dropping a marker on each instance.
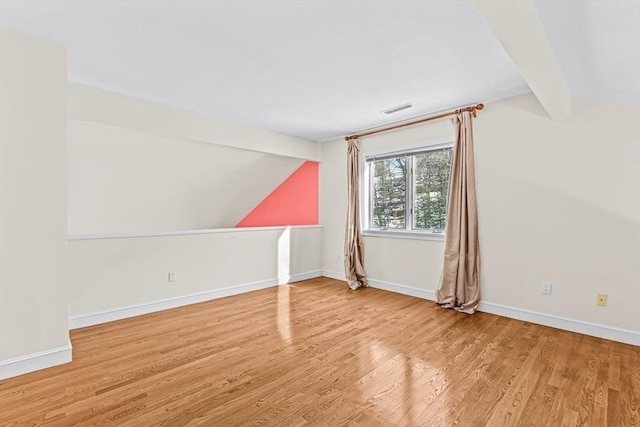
(321, 69)
(597, 44)
(123, 180)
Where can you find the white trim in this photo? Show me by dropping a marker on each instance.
(299, 277)
(405, 234)
(434, 144)
(613, 333)
(35, 361)
(402, 289)
(367, 189)
(90, 236)
(89, 319)
(333, 275)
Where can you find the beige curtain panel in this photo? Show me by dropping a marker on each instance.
(353, 245)
(460, 283)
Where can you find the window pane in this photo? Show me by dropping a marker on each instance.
(388, 201)
(431, 173)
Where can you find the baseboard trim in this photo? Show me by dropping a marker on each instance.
(90, 319)
(612, 333)
(333, 275)
(299, 277)
(35, 361)
(402, 289)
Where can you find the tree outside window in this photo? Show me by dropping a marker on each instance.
(409, 191)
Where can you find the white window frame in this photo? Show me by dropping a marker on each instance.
(366, 190)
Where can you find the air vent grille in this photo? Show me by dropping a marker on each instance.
(398, 108)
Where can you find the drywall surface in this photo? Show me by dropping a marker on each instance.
(108, 274)
(409, 262)
(91, 104)
(33, 197)
(139, 168)
(294, 202)
(125, 180)
(558, 201)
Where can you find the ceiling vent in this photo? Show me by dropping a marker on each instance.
(398, 108)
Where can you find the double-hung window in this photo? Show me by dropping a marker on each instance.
(405, 192)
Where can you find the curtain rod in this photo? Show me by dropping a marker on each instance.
(472, 109)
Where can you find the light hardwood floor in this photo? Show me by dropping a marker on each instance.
(314, 353)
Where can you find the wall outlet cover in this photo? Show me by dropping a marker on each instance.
(601, 300)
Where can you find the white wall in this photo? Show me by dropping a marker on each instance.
(94, 105)
(558, 201)
(33, 198)
(134, 166)
(414, 263)
(109, 274)
(123, 180)
(138, 167)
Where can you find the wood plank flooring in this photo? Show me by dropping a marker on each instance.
(314, 353)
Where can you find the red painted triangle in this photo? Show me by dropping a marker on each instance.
(294, 202)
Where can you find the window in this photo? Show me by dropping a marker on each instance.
(406, 192)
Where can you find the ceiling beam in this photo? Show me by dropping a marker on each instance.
(518, 28)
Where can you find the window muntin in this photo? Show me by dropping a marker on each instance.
(408, 191)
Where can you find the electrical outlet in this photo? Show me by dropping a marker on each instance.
(602, 300)
(172, 276)
(545, 288)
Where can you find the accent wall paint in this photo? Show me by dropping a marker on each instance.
(294, 202)
(126, 180)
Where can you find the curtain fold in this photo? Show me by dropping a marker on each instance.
(460, 282)
(353, 245)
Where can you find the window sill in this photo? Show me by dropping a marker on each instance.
(399, 234)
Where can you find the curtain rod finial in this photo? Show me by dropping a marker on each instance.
(480, 106)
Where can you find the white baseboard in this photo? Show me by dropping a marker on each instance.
(333, 274)
(612, 333)
(402, 289)
(300, 276)
(90, 319)
(35, 361)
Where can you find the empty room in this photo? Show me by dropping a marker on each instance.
(320, 213)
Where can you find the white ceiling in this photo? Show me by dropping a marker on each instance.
(597, 44)
(322, 69)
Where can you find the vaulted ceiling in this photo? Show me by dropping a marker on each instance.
(321, 69)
